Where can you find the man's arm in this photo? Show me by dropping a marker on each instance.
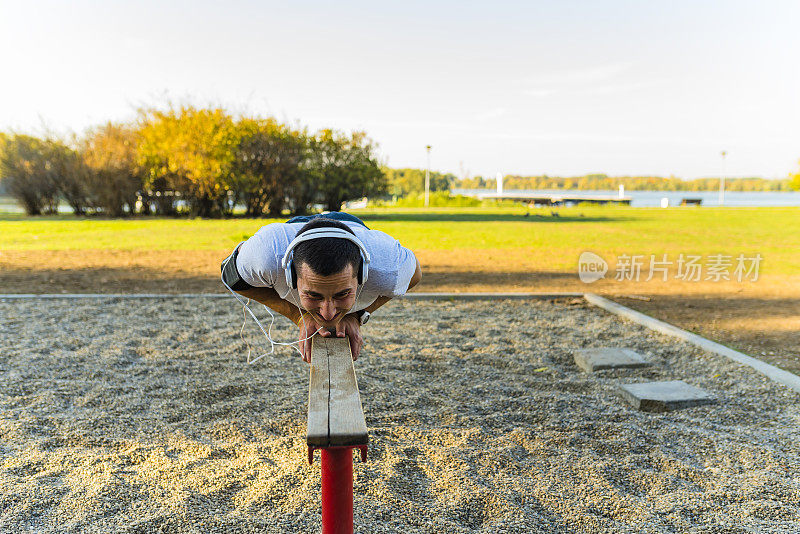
(308, 327)
(380, 301)
(264, 295)
(417, 275)
(269, 297)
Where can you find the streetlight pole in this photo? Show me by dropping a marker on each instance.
(428, 177)
(722, 180)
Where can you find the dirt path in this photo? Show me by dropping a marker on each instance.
(146, 418)
(761, 319)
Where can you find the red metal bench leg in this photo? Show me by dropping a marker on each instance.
(337, 490)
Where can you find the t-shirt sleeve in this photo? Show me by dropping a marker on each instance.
(406, 267)
(257, 262)
(392, 265)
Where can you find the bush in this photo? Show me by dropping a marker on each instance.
(344, 167)
(269, 169)
(114, 181)
(439, 199)
(70, 175)
(404, 182)
(28, 175)
(200, 161)
(186, 153)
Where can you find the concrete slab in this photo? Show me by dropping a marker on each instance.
(780, 376)
(664, 396)
(598, 359)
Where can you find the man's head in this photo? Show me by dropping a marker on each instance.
(327, 270)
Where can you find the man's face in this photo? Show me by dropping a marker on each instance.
(327, 298)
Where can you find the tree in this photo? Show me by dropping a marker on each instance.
(27, 174)
(114, 179)
(344, 167)
(3, 141)
(631, 183)
(794, 181)
(403, 182)
(270, 168)
(69, 173)
(189, 152)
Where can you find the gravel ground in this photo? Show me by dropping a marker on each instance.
(143, 416)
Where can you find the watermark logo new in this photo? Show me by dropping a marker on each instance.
(591, 267)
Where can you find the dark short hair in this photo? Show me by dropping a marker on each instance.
(326, 255)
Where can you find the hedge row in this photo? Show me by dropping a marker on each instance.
(193, 161)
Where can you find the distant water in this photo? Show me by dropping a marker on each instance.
(643, 199)
(9, 205)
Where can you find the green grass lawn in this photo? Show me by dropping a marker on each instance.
(609, 231)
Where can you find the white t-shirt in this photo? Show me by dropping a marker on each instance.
(390, 269)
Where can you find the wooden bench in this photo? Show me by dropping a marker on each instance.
(335, 415)
(336, 426)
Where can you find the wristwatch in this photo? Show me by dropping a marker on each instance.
(364, 317)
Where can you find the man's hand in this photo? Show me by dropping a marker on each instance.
(307, 326)
(351, 327)
(348, 326)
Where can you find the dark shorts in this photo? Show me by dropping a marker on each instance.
(335, 215)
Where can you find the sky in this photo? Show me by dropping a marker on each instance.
(562, 88)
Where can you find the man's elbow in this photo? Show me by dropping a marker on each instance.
(417, 276)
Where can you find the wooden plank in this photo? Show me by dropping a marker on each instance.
(335, 414)
(346, 416)
(318, 393)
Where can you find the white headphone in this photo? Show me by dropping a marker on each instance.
(317, 233)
